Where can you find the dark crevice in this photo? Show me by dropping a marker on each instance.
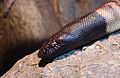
(21, 50)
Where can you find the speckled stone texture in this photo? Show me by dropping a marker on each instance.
(98, 60)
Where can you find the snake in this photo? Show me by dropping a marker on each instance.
(84, 30)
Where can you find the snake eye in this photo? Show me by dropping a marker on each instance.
(8, 7)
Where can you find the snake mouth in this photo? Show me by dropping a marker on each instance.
(50, 48)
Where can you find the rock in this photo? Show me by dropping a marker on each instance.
(26, 27)
(25, 68)
(98, 60)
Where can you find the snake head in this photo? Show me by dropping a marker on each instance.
(54, 47)
(49, 49)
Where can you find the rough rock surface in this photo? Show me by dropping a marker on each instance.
(98, 60)
(26, 26)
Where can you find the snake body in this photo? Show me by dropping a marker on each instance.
(8, 7)
(80, 32)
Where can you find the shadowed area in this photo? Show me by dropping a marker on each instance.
(18, 53)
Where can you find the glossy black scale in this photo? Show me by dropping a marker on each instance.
(76, 34)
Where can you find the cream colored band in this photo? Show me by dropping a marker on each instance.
(111, 12)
